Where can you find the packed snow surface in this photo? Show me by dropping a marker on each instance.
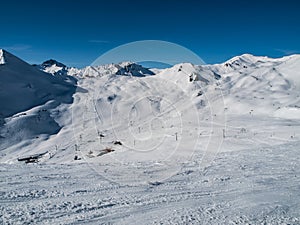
(253, 186)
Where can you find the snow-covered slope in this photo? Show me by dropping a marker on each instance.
(259, 85)
(27, 98)
(187, 103)
(290, 68)
(24, 87)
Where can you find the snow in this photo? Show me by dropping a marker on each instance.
(2, 60)
(257, 186)
(123, 68)
(212, 144)
(288, 112)
(291, 69)
(58, 70)
(27, 99)
(53, 69)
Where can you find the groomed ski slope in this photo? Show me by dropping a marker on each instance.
(253, 186)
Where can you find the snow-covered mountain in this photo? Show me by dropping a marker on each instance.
(57, 69)
(24, 87)
(54, 67)
(23, 91)
(122, 102)
(124, 68)
(260, 85)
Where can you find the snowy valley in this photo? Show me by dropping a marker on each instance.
(124, 144)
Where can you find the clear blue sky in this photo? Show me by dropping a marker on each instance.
(77, 32)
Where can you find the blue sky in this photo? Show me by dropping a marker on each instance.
(77, 32)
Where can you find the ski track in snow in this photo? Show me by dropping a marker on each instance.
(257, 186)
